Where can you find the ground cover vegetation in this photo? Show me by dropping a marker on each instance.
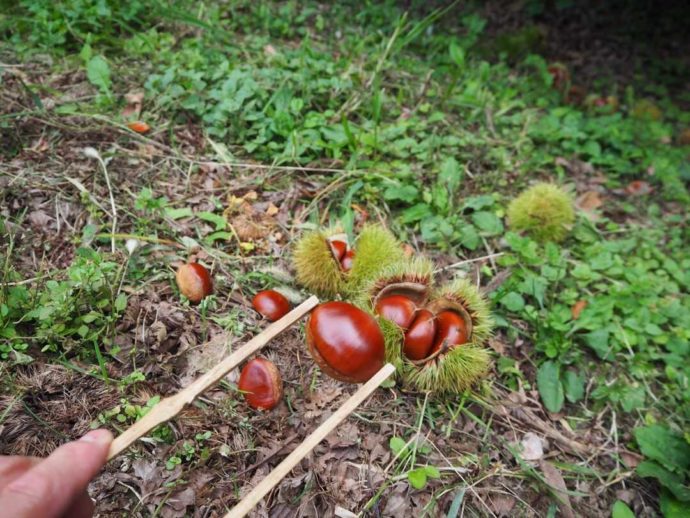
(133, 134)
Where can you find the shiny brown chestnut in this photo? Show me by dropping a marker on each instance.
(194, 282)
(271, 304)
(347, 260)
(398, 309)
(261, 384)
(345, 342)
(451, 330)
(338, 249)
(420, 336)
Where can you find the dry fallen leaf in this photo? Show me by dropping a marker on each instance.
(532, 446)
(577, 308)
(139, 126)
(589, 201)
(638, 188)
(684, 137)
(554, 478)
(133, 107)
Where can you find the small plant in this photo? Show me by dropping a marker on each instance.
(545, 211)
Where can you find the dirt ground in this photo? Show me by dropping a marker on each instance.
(47, 403)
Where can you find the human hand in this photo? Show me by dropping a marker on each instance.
(54, 486)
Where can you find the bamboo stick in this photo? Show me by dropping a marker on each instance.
(169, 407)
(262, 488)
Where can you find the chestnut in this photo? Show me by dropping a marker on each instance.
(420, 336)
(338, 248)
(271, 304)
(261, 384)
(451, 330)
(194, 281)
(397, 308)
(347, 260)
(345, 342)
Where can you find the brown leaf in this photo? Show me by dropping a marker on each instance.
(630, 458)
(554, 478)
(589, 201)
(133, 107)
(638, 188)
(577, 308)
(684, 137)
(502, 505)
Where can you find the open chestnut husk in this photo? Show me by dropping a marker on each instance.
(271, 304)
(328, 265)
(261, 384)
(457, 358)
(345, 342)
(194, 282)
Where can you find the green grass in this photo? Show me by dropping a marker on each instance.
(417, 126)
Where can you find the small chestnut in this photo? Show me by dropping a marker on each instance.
(345, 342)
(347, 260)
(451, 330)
(261, 384)
(338, 249)
(271, 304)
(194, 281)
(397, 308)
(420, 337)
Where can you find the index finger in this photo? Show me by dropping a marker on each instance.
(51, 486)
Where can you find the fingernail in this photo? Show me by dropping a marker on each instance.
(98, 436)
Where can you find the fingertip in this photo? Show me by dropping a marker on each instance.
(100, 436)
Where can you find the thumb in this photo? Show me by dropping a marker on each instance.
(49, 488)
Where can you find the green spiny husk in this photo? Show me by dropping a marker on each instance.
(393, 338)
(450, 372)
(462, 366)
(418, 270)
(544, 210)
(464, 292)
(316, 268)
(376, 249)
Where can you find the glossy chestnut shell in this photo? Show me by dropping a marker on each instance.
(194, 281)
(451, 330)
(338, 249)
(420, 336)
(261, 384)
(271, 304)
(397, 308)
(345, 342)
(347, 260)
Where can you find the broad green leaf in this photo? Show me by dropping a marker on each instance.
(401, 192)
(598, 341)
(182, 212)
(397, 444)
(432, 472)
(218, 220)
(621, 510)
(666, 478)
(513, 301)
(469, 237)
(488, 222)
(450, 175)
(121, 302)
(550, 387)
(98, 72)
(574, 385)
(417, 478)
(661, 444)
(672, 507)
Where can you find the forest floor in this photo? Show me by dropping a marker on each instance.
(268, 119)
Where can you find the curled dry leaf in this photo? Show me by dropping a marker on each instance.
(638, 188)
(139, 126)
(554, 479)
(588, 202)
(133, 107)
(577, 308)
